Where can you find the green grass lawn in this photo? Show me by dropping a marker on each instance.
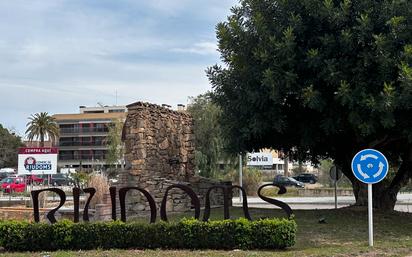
(345, 233)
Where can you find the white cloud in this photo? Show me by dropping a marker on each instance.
(203, 48)
(58, 54)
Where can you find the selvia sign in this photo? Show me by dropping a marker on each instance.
(259, 159)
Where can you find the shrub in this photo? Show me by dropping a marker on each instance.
(99, 182)
(185, 234)
(252, 179)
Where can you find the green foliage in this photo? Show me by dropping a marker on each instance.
(42, 125)
(80, 178)
(186, 234)
(302, 73)
(115, 150)
(324, 176)
(251, 178)
(318, 79)
(210, 145)
(9, 144)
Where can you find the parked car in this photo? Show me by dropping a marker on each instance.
(13, 184)
(307, 178)
(4, 175)
(114, 179)
(287, 181)
(33, 179)
(8, 170)
(61, 180)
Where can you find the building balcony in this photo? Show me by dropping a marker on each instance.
(83, 157)
(83, 130)
(63, 144)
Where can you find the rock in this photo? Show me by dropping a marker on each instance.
(164, 144)
(140, 207)
(141, 153)
(138, 161)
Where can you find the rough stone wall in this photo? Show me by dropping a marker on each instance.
(159, 142)
(159, 151)
(21, 213)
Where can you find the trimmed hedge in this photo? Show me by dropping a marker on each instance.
(185, 234)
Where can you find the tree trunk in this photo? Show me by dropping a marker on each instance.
(41, 139)
(286, 166)
(384, 198)
(301, 167)
(384, 193)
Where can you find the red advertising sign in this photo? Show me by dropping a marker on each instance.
(38, 150)
(37, 160)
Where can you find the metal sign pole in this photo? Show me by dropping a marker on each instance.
(336, 194)
(370, 215)
(370, 167)
(335, 174)
(240, 177)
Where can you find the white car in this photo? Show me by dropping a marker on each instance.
(8, 170)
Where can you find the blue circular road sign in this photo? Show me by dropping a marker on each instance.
(370, 166)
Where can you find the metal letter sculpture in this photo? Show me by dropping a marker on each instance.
(50, 214)
(112, 191)
(278, 203)
(187, 190)
(76, 203)
(122, 198)
(226, 214)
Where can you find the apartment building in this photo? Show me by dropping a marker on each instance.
(82, 141)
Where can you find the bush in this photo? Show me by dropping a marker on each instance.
(185, 234)
(252, 179)
(99, 182)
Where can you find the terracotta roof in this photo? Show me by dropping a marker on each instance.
(90, 116)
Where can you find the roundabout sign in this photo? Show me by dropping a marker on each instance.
(370, 166)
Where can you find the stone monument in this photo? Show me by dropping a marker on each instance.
(159, 152)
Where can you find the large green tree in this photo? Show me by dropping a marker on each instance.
(40, 126)
(320, 79)
(209, 142)
(9, 144)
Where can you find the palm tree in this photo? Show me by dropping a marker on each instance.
(40, 126)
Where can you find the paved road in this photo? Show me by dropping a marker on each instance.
(404, 202)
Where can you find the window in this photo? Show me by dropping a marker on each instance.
(117, 110)
(102, 111)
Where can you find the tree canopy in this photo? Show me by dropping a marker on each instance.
(42, 125)
(115, 152)
(9, 144)
(209, 142)
(319, 79)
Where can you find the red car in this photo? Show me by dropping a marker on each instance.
(13, 184)
(33, 179)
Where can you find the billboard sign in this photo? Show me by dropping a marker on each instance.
(37, 160)
(259, 159)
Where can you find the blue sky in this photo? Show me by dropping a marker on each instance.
(56, 55)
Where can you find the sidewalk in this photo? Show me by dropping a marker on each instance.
(404, 202)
